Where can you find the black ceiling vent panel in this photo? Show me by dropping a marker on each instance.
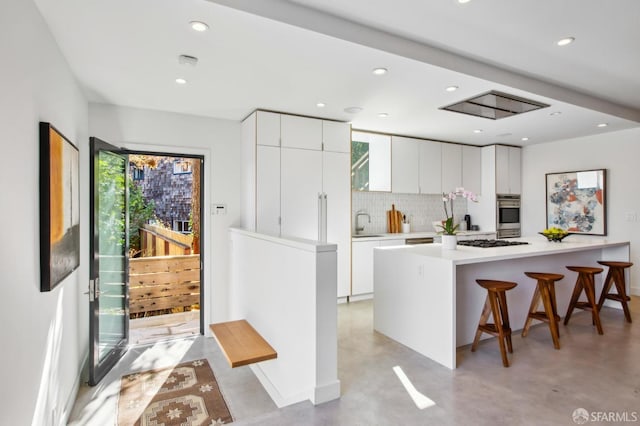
(495, 105)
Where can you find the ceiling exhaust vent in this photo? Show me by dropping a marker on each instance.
(495, 105)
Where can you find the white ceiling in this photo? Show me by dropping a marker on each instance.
(287, 55)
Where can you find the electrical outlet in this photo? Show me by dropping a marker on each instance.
(631, 217)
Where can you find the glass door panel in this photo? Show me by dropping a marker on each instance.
(108, 290)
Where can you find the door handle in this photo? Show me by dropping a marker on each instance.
(94, 289)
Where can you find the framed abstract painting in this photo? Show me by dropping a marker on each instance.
(576, 201)
(59, 207)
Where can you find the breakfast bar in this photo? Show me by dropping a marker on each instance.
(427, 299)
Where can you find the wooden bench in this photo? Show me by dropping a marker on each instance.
(241, 343)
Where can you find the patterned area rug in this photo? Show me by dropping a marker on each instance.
(186, 394)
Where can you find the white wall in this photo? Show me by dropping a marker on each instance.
(219, 142)
(44, 335)
(618, 152)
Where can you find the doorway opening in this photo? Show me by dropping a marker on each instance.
(165, 231)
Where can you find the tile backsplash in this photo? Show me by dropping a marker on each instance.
(420, 209)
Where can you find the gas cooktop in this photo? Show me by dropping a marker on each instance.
(490, 243)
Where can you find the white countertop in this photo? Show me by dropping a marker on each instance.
(538, 246)
(403, 236)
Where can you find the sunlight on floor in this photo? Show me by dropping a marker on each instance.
(102, 399)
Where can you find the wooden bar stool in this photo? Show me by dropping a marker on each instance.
(496, 305)
(545, 290)
(616, 275)
(586, 282)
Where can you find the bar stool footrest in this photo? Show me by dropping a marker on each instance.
(617, 297)
(542, 316)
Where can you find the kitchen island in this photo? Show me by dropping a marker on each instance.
(427, 299)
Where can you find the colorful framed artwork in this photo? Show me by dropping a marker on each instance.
(59, 207)
(576, 201)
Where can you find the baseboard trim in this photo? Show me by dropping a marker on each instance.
(274, 393)
(326, 393)
(71, 398)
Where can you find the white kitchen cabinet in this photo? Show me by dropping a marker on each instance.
(472, 169)
(405, 165)
(431, 167)
(268, 190)
(287, 169)
(300, 132)
(300, 184)
(267, 128)
(362, 263)
(336, 169)
(336, 136)
(362, 266)
(451, 167)
(507, 170)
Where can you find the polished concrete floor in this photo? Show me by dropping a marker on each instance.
(543, 386)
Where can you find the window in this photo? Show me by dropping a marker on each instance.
(181, 166)
(138, 174)
(182, 226)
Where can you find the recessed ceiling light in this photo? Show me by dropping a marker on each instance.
(451, 88)
(321, 105)
(199, 26)
(463, 1)
(383, 114)
(565, 41)
(477, 131)
(603, 124)
(524, 139)
(353, 110)
(556, 113)
(181, 81)
(379, 71)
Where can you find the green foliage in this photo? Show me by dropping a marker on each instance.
(359, 169)
(140, 211)
(448, 228)
(111, 189)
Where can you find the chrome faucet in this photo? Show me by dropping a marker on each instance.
(358, 214)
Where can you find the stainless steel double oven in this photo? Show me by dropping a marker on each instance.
(508, 216)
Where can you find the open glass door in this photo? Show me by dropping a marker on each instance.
(108, 289)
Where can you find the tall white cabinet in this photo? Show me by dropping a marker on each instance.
(508, 169)
(297, 158)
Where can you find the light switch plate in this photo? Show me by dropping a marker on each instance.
(218, 209)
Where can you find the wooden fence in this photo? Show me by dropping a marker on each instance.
(157, 241)
(163, 282)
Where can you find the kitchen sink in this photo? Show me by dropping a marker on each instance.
(365, 235)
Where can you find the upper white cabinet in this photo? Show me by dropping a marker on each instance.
(472, 168)
(430, 161)
(508, 179)
(300, 132)
(268, 128)
(405, 165)
(451, 167)
(336, 137)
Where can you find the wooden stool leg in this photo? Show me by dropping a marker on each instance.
(591, 297)
(622, 292)
(495, 310)
(504, 312)
(605, 288)
(484, 316)
(534, 305)
(554, 305)
(574, 298)
(548, 307)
